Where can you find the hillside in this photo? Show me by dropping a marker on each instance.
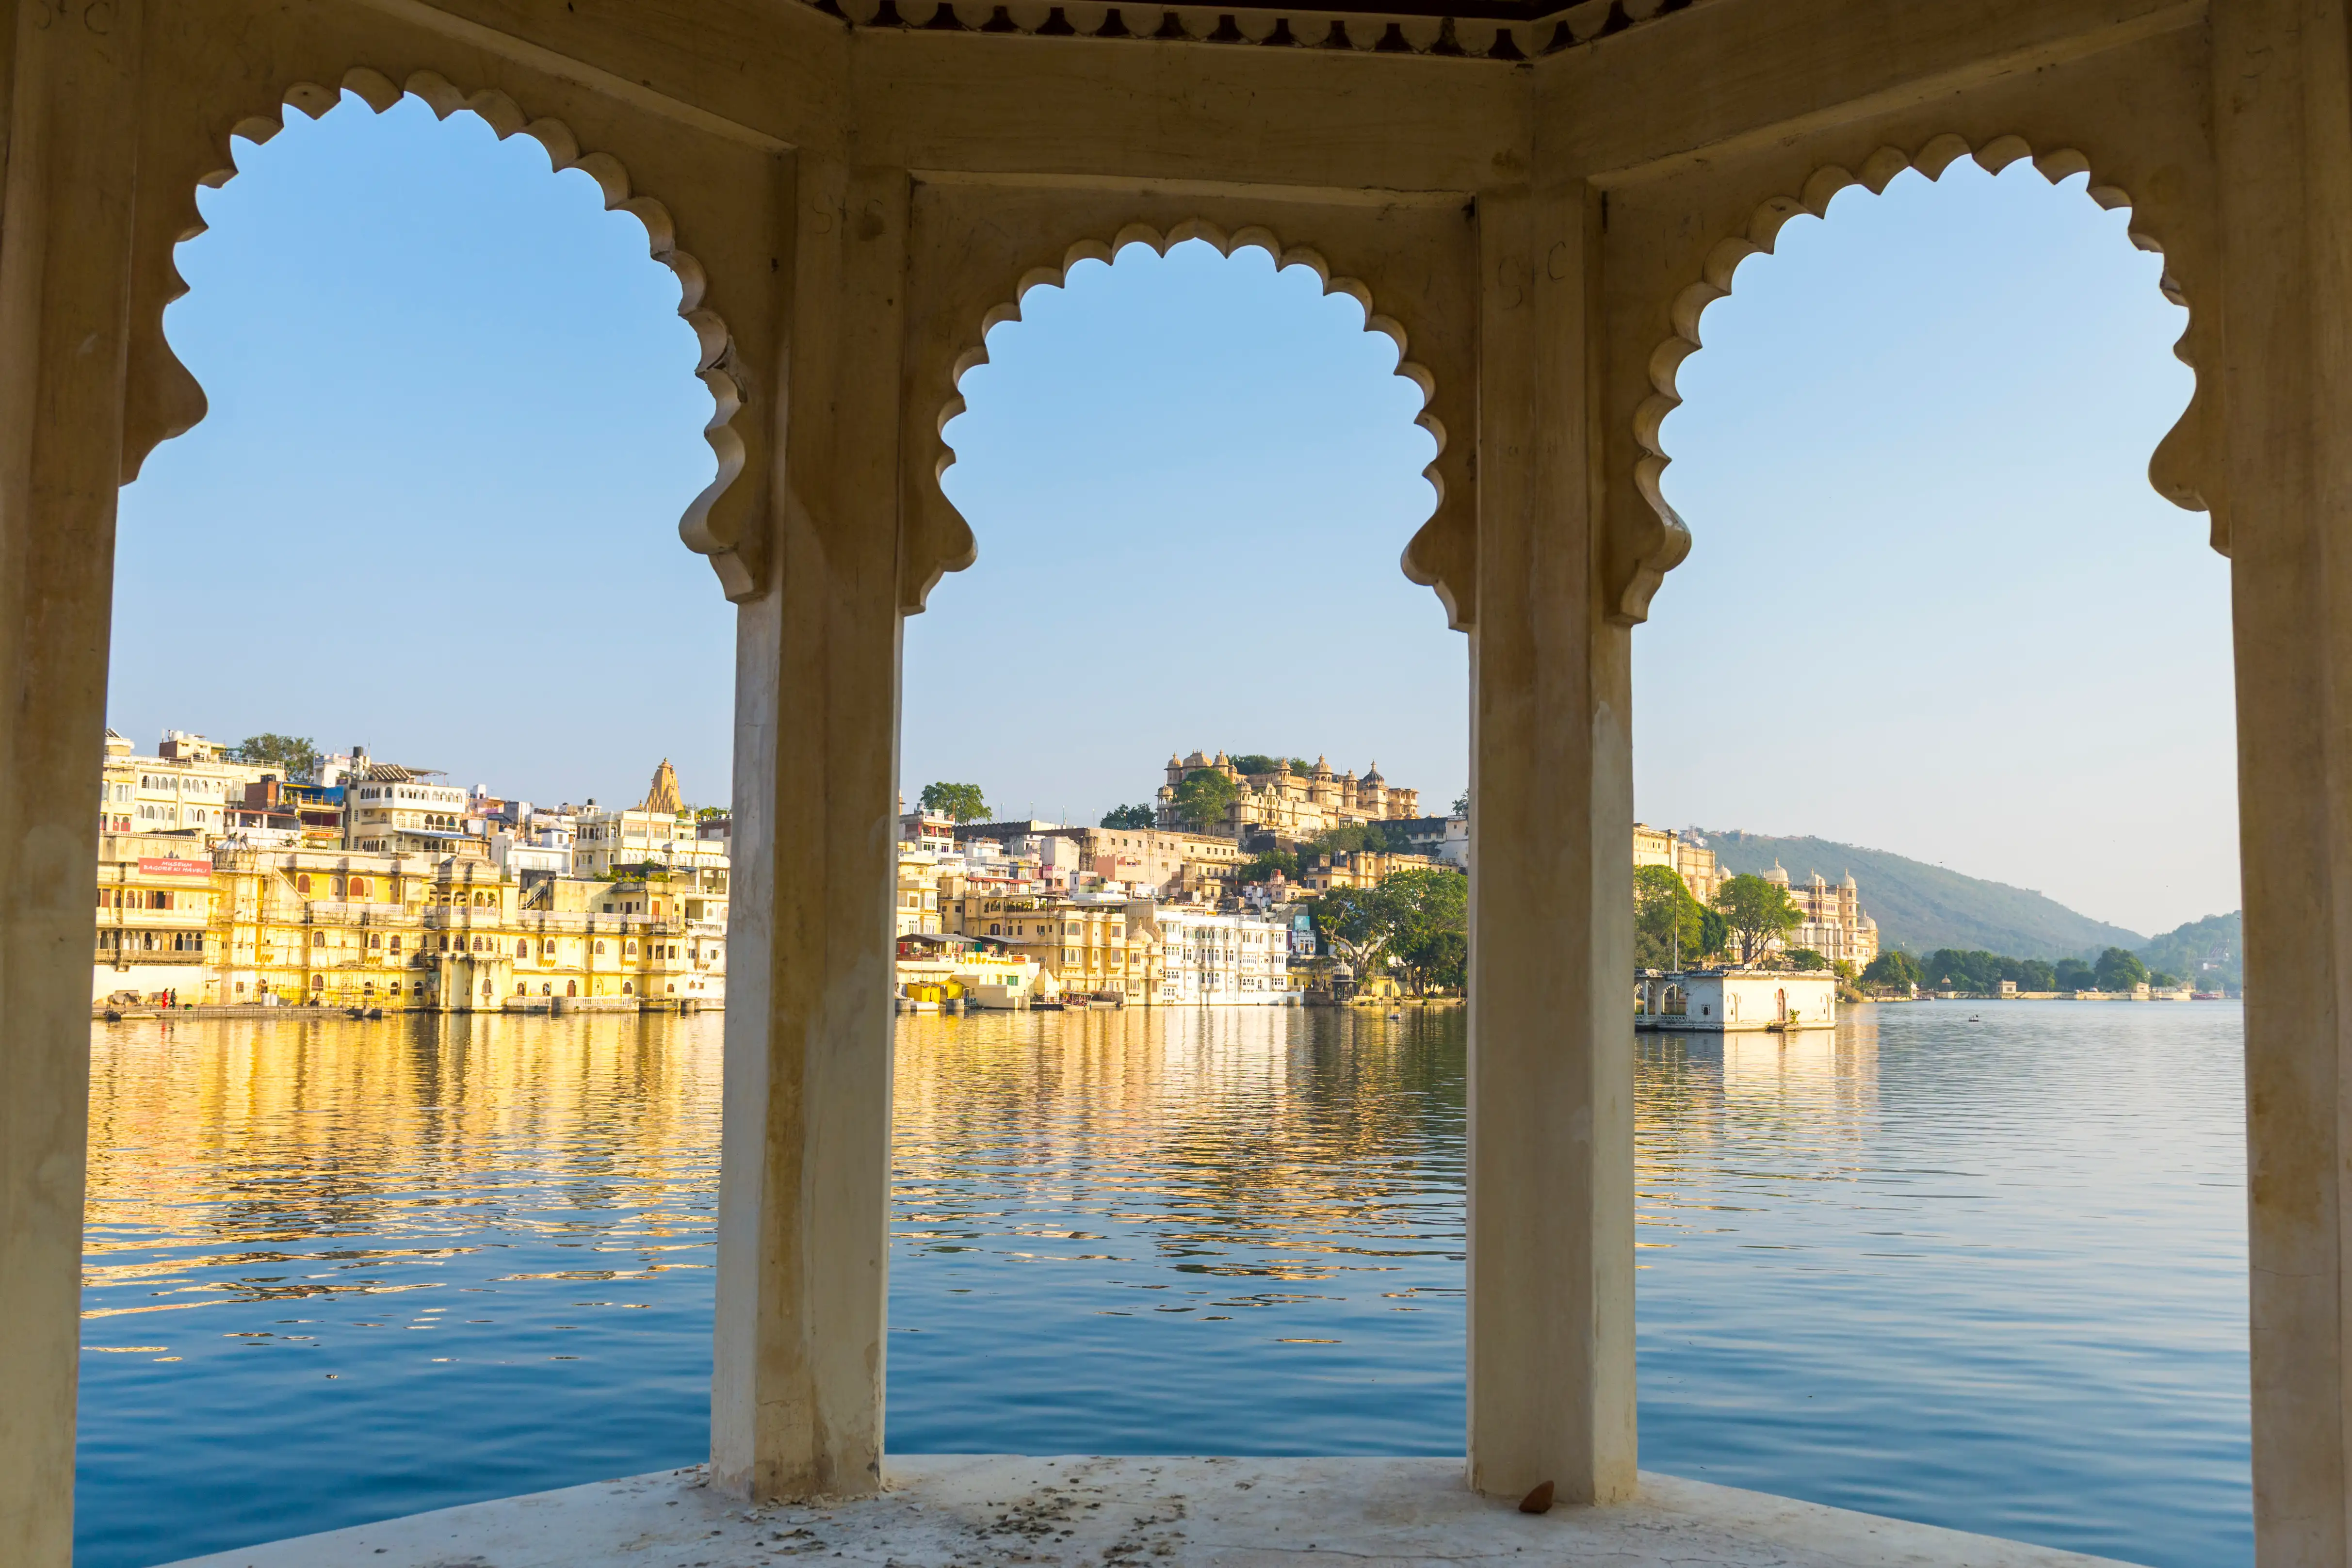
(2217, 941)
(1921, 907)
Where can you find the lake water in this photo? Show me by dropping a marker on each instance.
(1986, 1274)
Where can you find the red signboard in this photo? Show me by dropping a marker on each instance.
(153, 867)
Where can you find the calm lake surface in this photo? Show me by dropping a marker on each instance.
(1988, 1275)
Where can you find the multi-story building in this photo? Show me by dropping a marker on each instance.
(247, 925)
(1208, 958)
(660, 832)
(928, 831)
(1693, 862)
(155, 906)
(1082, 941)
(310, 815)
(1320, 873)
(918, 906)
(1834, 925)
(1289, 805)
(391, 809)
(187, 785)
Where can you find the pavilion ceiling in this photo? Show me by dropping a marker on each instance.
(1491, 29)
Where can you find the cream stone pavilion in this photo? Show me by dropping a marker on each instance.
(1536, 205)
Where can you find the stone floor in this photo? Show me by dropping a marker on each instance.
(960, 1510)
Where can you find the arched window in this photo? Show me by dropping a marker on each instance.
(571, 987)
(317, 982)
(339, 887)
(627, 989)
(318, 938)
(632, 951)
(302, 883)
(522, 946)
(359, 887)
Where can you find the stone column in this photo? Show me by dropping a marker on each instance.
(1551, 1126)
(804, 1165)
(2282, 127)
(70, 98)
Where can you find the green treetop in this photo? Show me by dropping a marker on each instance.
(1202, 799)
(294, 756)
(1130, 817)
(1893, 970)
(963, 802)
(1756, 910)
(1416, 920)
(1669, 924)
(2119, 969)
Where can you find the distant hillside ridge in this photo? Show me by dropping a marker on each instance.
(2209, 954)
(1921, 907)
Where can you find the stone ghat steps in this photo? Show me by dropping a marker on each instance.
(971, 1509)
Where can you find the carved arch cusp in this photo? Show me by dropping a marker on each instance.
(934, 540)
(1442, 557)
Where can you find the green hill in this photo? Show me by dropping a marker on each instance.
(1921, 907)
(2207, 953)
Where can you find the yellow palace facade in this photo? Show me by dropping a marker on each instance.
(251, 926)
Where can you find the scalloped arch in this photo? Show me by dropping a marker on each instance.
(938, 557)
(170, 401)
(2177, 469)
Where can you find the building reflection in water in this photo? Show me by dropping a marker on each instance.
(339, 1270)
(1988, 1274)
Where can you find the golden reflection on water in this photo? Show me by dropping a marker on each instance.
(218, 1149)
(1256, 1143)
(1727, 1123)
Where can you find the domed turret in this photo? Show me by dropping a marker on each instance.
(1776, 876)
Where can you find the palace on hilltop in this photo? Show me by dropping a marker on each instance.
(1834, 925)
(1833, 922)
(1290, 804)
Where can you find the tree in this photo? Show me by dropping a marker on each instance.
(1417, 920)
(2033, 975)
(1352, 929)
(705, 813)
(1891, 970)
(1805, 958)
(1261, 868)
(2163, 981)
(1462, 804)
(1301, 766)
(1426, 913)
(294, 756)
(1669, 924)
(965, 803)
(1714, 931)
(1202, 799)
(1252, 763)
(1349, 839)
(2074, 975)
(2119, 969)
(1757, 911)
(1130, 817)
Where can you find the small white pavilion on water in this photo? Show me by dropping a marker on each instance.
(1731, 1001)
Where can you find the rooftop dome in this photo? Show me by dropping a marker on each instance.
(1776, 876)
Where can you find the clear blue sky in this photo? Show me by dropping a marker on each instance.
(1933, 606)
